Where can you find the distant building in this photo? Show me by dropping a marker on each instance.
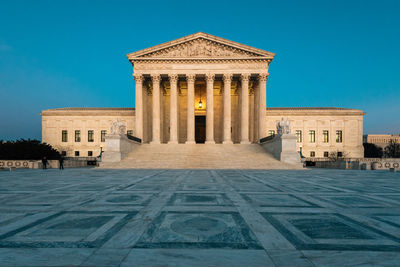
(381, 140)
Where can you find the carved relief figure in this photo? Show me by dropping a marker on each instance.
(117, 127)
(200, 48)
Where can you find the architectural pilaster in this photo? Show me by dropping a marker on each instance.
(210, 109)
(173, 79)
(156, 109)
(190, 108)
(244, 118)
(138, 105)
(262, 78)
(227, 109)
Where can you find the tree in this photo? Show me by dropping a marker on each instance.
(392, 150)
(336, 155)
(372, 151)
(27, 149)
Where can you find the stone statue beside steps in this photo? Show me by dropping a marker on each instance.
(283, 126)
(117, 127)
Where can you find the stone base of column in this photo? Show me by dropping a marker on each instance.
(210, 142)
(244, 142)
(227, 142)
(190, 142)
(173, 142)
(155, 142)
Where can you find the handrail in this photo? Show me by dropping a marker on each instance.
(134, 138)
(267, 138)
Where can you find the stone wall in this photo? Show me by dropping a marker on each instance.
(83, 119)
(349, 121)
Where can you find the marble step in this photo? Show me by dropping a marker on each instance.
(199, 156)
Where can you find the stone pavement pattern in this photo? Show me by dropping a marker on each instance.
(101, 217)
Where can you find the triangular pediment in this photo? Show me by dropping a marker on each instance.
(200, 45)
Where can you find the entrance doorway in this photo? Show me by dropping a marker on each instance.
(200, 129)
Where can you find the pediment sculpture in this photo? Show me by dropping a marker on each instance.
(200, 48)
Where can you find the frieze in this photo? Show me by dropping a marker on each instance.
(251, 65)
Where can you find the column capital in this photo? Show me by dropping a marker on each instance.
(245, 77)
(227, 77)
(263, 77)
(155, 78)
(138, 77)
(210, 77)
(190, 78)
(173, 78)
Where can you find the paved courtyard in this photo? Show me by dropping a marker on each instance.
(92, 217)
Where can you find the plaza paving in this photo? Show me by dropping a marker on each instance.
(102, 217)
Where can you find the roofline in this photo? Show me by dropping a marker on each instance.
(76, 111)
(314, 110)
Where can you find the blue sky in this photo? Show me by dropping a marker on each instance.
(72, 53)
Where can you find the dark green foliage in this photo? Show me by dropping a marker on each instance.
(372, 151)
(392, 150)
(27, 149)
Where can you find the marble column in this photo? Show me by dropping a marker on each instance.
(256, 113)
(262, 87)
(173, 115)
(156, 109)
(244, 118)
(210, 109)
(190, 108)
(138, 105)
(227, 109)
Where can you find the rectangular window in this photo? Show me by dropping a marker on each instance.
(63, 153)
(64, 136)
(339, 136)
(103, 135)
(90, 153)
(326, 154)
(325, 135)
(299, 137)
(312, 154)
(129, 132)
(340, 154)
(76, 153)
(271, 132)
(312, 136)
(90, 136)
(77, 136)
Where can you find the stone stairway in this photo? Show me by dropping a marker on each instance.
(199, 156)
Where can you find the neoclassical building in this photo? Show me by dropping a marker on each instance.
(203, 89)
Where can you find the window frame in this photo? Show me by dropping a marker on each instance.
(299, 135)
(271, 132)
(325, 136)
(103, 135)
(90, 136)
(311, 135)
(339, 136)
(64, 133)
(77, 136)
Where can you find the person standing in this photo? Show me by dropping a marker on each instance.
(44, 163)
(61, 162)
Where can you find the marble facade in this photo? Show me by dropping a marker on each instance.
(202, 89)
